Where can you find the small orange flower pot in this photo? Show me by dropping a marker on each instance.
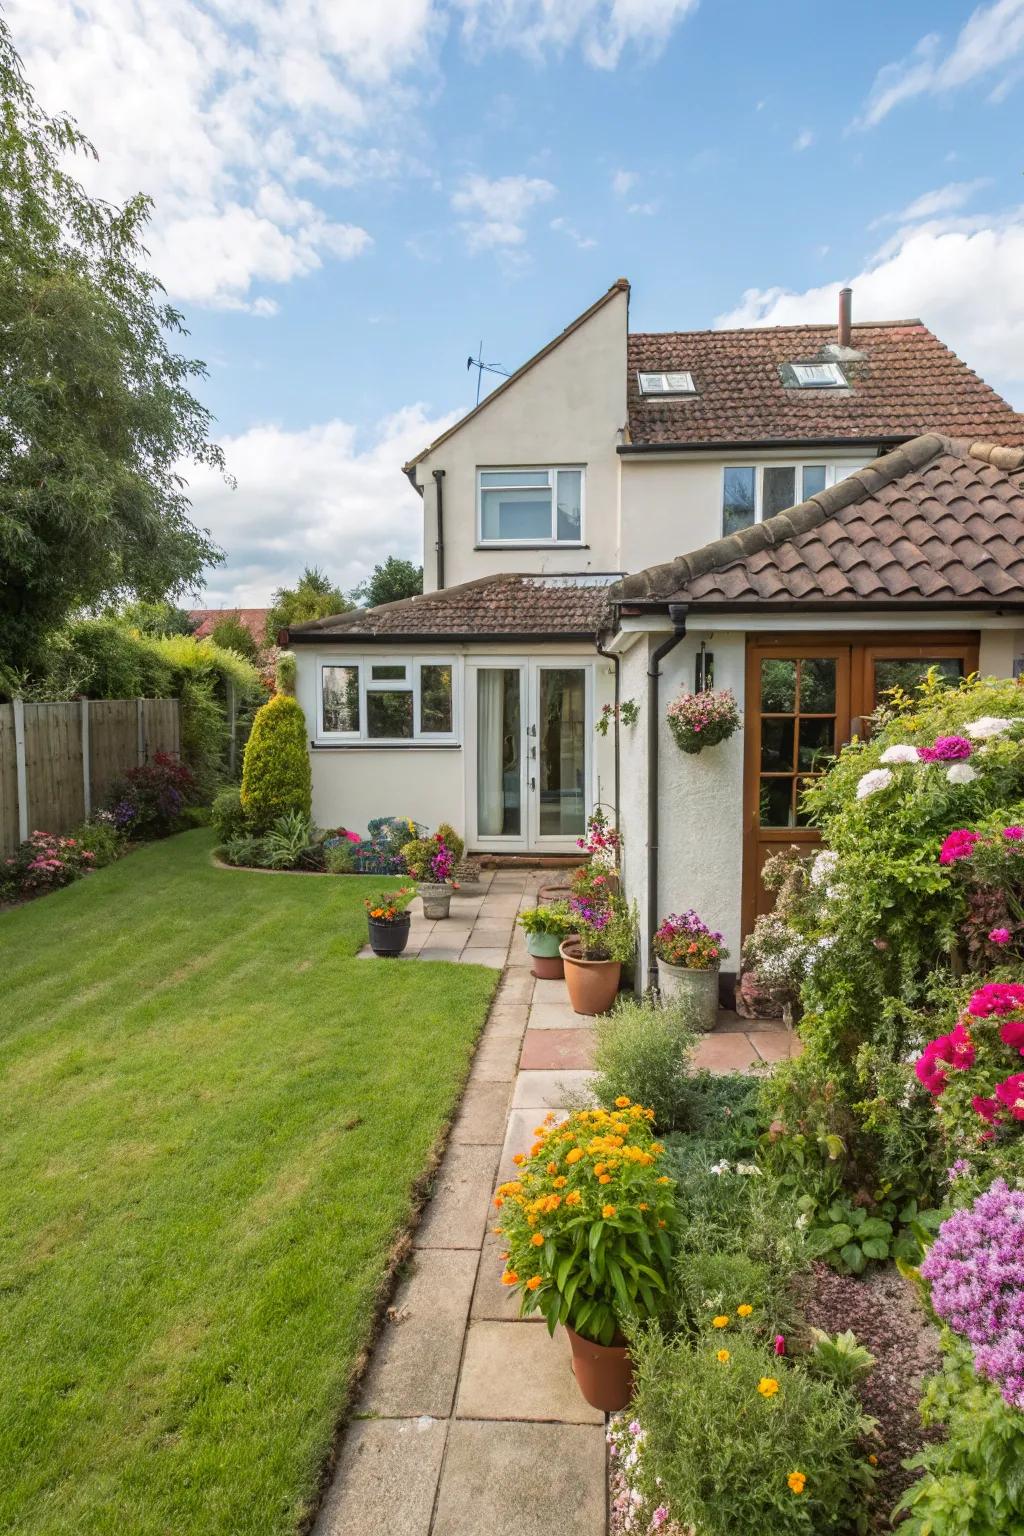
(604, 1372)
(592, 984)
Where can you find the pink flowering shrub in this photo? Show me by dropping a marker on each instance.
(686, 940)
(699, 720)
(976, 1271)
(990, 865)
(946, 749)
(44, 862)
(602, 842)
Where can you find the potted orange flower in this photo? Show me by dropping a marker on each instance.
(588, 1226)
(388, 920)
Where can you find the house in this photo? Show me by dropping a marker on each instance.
(834, 508)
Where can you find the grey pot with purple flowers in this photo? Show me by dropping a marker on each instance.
(689, 956)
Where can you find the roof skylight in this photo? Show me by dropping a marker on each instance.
(819, 375)
(667, 384)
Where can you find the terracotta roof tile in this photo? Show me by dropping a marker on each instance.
(934, 519)
(252, 619)
(906, 382)
(493, 606)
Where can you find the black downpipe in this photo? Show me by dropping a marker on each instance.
(612, 657)
(439, 546)
(677, 613)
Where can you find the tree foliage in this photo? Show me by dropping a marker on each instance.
(97, 414)
(232, 635)
(314, 596)
(390, 582)
(276, 775)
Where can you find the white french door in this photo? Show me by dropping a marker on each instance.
(529, 753)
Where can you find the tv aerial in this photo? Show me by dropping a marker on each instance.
(482, 368)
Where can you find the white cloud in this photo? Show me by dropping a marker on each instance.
(962, 278)
(987, 44)
(320, 495)
(948, 199)
(496, 210)
(647, 210)
(563, 227)
(602, 29)
(623, 182)
(803, 140)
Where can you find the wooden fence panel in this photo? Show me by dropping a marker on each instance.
(8, 781)
(160, 726)
(114, 740)
(53, 766)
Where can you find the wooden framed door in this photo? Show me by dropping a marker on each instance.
(805, 698)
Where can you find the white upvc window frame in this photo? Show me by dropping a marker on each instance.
(409, 683)
(665, 389)
(835, 470)
(551, 470)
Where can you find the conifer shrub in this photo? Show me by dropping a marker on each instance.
(275, 774)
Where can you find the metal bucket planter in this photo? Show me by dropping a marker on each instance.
(696, 991)
(437, 899)
(389, 939)
(543, 949)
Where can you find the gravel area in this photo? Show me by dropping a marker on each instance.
(886, 1316)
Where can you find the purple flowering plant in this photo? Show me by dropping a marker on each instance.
(604, 929)
(975, 1269)
(699, 720)
(684, 939)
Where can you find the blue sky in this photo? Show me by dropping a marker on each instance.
(349, 196)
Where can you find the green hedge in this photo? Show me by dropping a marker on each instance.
(276, 775)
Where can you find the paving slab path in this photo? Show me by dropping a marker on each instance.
(469, 1422)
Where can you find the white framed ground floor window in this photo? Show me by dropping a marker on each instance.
(529, 754)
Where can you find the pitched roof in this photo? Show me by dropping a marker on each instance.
(492, 607)
(620, 285)
(252, 619)
(937, 521)
(905, 382)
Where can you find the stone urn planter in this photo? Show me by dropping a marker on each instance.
(695, 990)
(592, 984)
(436, 897)
(604, 1372)
(388, 939)
(545, 959)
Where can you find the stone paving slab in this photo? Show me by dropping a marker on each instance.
(776, 1046)
(495, 958)
(533, 1479)
(724, 1053)
(549, 991)
(490, 935)
(460, 1205)
(500, 906)
(430, 952)
(557, 1050)
(511, 1372)
(517, 985)
(558, 1016)
(507, 1019)
(481, 1117)
(519, 1137)
(415, 1365)
(548, 1090)
(496, 1059)
(385, 1479)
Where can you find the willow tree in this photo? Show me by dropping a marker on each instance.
(96, 411)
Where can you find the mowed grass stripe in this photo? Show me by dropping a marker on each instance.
(202, 1173)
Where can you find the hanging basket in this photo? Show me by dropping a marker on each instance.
(699, 720)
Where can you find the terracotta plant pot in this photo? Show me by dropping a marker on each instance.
(389, 939)
(592, 983)
(436, 897)
(697, 991)
(604, 1372)
(559, 890)
(546, 962)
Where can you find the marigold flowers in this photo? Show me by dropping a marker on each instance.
(767, 1386)
(723, 1356)
(744, 1311)
(607, 1212)
(796, 1482)
(721, 1321)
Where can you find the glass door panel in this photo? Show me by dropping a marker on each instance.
(561, 752)
(499, 752)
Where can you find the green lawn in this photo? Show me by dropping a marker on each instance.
(210, 1121)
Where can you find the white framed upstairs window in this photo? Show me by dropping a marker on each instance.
(678, 383)
(387, 700)
(752, 492)
(530, 506)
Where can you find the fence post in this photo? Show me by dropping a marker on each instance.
(86, 760)
(140, 727)
(232, 728)
(20, 768)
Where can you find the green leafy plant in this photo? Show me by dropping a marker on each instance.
(290, 842)
(628, 713)
(733, 1439)
(339, 859)
(276, 774)
(642, 1051)
(605, 931)
(389, 906)
(839, 1357)
(246, 850)
(100, 838)
(848, 1238)
(226, 814)
(588, 1222)
(553, 918)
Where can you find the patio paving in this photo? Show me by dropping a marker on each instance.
(470, 1418)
